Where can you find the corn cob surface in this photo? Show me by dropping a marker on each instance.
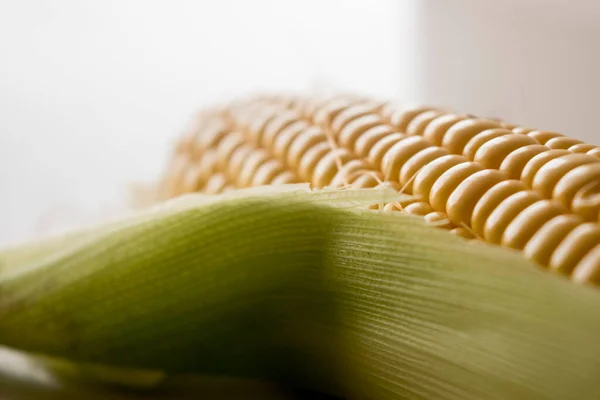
(529, 190)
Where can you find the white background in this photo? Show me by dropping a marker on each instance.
(92, 92)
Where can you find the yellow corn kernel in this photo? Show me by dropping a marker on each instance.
(529, 190)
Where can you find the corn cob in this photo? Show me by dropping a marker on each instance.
(528, 190)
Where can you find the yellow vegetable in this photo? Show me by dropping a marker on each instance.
(530, 190)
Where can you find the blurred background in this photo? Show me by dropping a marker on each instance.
(93, 93)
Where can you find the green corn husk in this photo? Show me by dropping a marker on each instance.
(306, 289)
